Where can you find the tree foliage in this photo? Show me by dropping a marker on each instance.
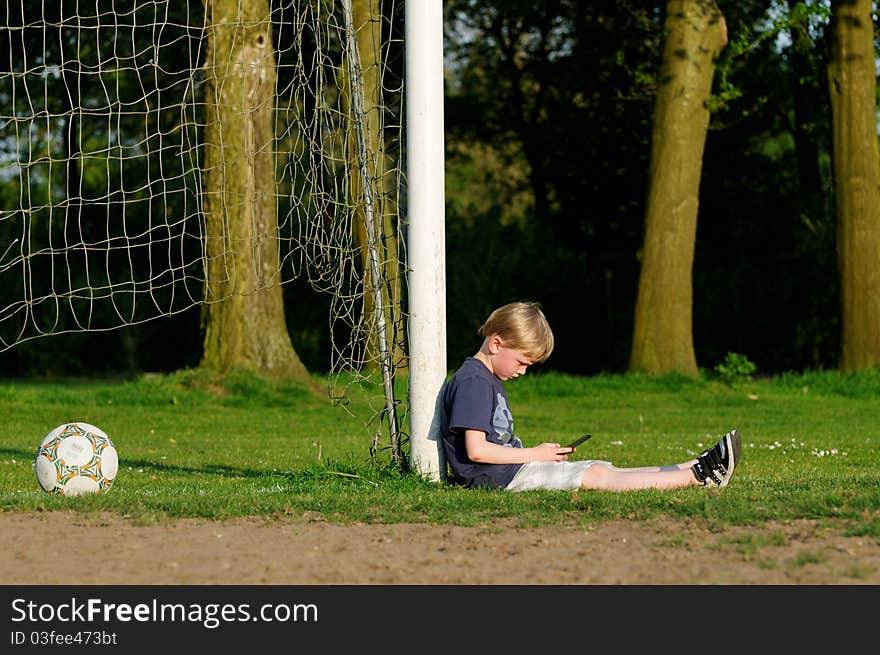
(764, 264)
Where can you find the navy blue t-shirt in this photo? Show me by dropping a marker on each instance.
(474, 399)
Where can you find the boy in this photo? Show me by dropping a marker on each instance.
(477, 426)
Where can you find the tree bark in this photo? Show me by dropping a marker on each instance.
(663, 328)
(853, 89)
(244, 321)
(367, 25)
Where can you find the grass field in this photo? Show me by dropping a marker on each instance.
(191, 446)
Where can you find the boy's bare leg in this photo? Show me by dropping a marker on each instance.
(610, 478)
(713, 468)
(670, 467)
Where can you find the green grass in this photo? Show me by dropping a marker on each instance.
(195, 446)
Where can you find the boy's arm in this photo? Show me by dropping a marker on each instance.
(480, 450)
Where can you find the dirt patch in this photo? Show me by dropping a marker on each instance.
(298, 551)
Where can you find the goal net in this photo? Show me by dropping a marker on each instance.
(103, 185)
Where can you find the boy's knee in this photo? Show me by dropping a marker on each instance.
(597, 476)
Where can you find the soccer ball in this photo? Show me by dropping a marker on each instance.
(76, 458)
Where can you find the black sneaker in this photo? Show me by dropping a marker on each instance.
(715, 466)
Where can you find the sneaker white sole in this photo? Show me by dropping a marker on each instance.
(733, 445)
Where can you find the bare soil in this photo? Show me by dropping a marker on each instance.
(296, 550)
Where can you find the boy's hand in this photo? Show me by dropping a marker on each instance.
(551, 452)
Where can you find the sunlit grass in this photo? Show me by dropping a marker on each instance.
(194, 445)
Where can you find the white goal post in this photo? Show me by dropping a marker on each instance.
(426, 243)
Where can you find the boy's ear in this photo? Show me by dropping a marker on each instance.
(495, 343)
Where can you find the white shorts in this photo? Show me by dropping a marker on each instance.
(551, 475)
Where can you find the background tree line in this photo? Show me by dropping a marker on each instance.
(550, 109)
(549, 122)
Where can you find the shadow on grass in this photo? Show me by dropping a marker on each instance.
(314, 471)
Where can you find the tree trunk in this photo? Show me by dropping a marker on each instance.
(244, 319)
(367, 25)
(663, 330)
(853, 88)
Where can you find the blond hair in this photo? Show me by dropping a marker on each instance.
(522, 326)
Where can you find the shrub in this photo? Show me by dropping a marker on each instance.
(735, 369)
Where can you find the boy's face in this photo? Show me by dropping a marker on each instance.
(509, 363)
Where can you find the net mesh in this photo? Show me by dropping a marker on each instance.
(102, 180)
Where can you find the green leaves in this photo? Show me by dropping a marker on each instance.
(735, 369)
